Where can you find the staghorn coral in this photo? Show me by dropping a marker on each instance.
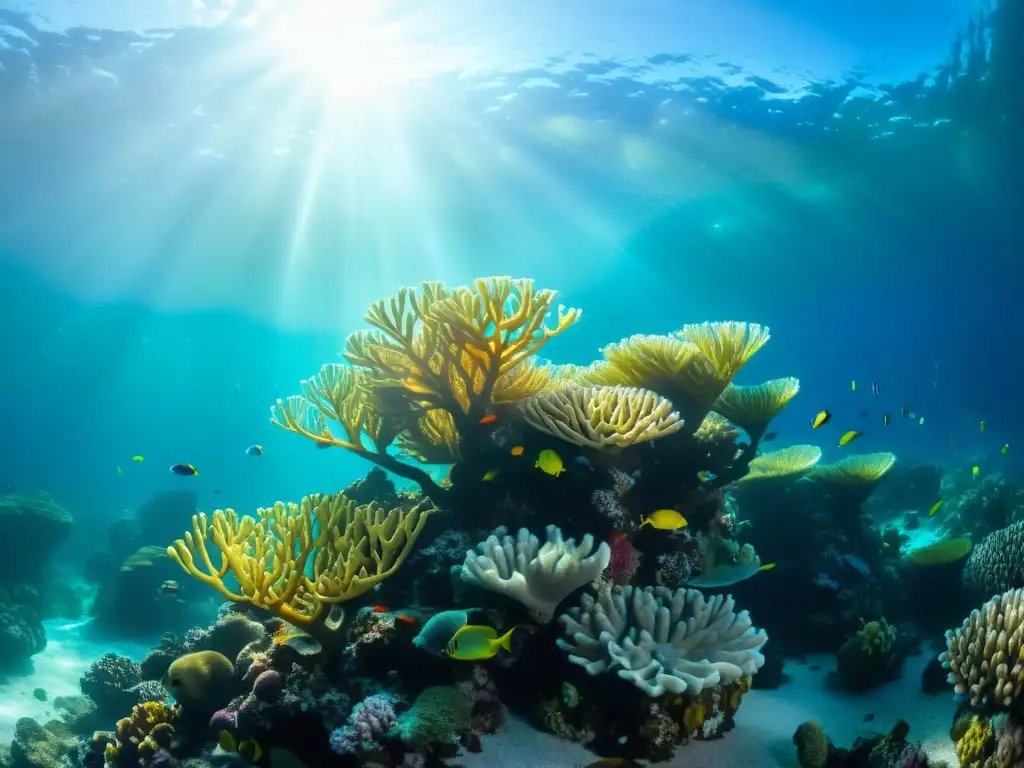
(792, 462)
(299, 558)
(601, 417)
(983, 654)
(997, 563)
(435, 362)
(662, 640)
(537, 576)
(753, 407)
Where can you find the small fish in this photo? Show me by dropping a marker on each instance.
(1005, 449)
(138, 458)
(875, 388)
(982, 425)
(886, 420)
(665, 520)
(905, 412)
(250, 750)
(853, 385)
(475, 642)
(517, 450)
(321, 446)
(822, 580)
(550, 462)
(490, 475)
(849, 437)
(984, 405)
(857, 564)
(766, 567)
(120, 471)
(406, 619)
(769, 436)
(935, 385)
(170, 587)
(869, 717)
(935, 508)
(821, 419)
(921, 420)
(705, 476)
(217, 491)
(975, 470)
(380, 609)
(863, 413)
(185, 470)
(254, 450)
(490, 418)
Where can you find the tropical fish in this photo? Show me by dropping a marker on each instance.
(185, 470)
(821, 419)
(857, 564)
(921, 420)
(379, 609)
(665, 520)
(247, 748)
(120, 471)
(170, 587)
(434, 635)
(406, 619)
(490, 475)
(138, 458)
(517, 450)
(766, 567)
(490, 418)
(941, 552)
(475, 642)
(828, 582)
(254, 450)
(975, 470)
(935, 508)
(875, 388)
(853, 385)
(1006, 448)
(982, 425)
(849, 437)
(886, 420)
(705, 476)
(550, 462)
(769, 436)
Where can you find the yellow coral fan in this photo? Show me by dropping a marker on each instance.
(855, 470)
(794, 461)
(601, 417)
(729, 346)
(753, 408)
(715, 429)
(941, 552)
(297, 558)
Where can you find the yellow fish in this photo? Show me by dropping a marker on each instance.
(550, 462)
(853, 385)
(935, 508)
(921, 420)
(491, 474)
(665, 520)
(766, 567)
(475, 642)
(248, 749)
(849, 437)
(120, 471)
(138, 458)
(975, 470)
(821, 419)
(1006, 448)
(982, 425)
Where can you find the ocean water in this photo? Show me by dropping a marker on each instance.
(201, 198)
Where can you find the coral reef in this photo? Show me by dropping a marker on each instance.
(869, 657)
(997, 563)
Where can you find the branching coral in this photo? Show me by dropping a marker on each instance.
(754, 407)
(296, 559)
(663, 640)
(537, 576)
(983, 654)
(601, 417)
(435, 363)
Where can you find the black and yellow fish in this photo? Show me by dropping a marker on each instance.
(254, 450)
(821, 419)
(185, 470)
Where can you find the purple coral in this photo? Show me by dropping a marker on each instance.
(268, 685)
(370, 719)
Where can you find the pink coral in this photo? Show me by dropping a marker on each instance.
(624, 561)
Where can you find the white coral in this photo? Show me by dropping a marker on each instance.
(663, 640)
(539, 577)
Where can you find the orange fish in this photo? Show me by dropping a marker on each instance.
(518, 450)
(490, 418)
(380, 609)
(406, 619)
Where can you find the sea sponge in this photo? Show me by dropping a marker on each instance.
(753, 407)
(201, 681)
(983, 654)
(662, 640)
(601, 417)
(863, 469)
(440, 715)
(997, 563)
(537, 576)
(812, 745)
(792, 462)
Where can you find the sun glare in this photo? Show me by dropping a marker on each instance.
(349, 49)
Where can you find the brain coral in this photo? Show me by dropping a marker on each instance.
(997, 563)
(983, 656)
(663, 640)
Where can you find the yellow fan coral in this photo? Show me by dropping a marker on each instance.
(601, 417)
(794, 461)
(715, 429)
(753, 407)
(864, 469)
(941, 552)
(729, 346)
(295, 559)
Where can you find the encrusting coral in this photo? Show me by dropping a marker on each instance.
(437, 362)
(537, 576)
(662, 640)
(298, 559)
(983, 654)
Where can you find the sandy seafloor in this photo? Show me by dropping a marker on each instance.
(762, 737)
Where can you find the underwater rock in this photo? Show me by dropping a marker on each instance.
(35, 746)
(230, 635)
(109, 681)
(35, 518)
(869, 657)
(21, 637)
